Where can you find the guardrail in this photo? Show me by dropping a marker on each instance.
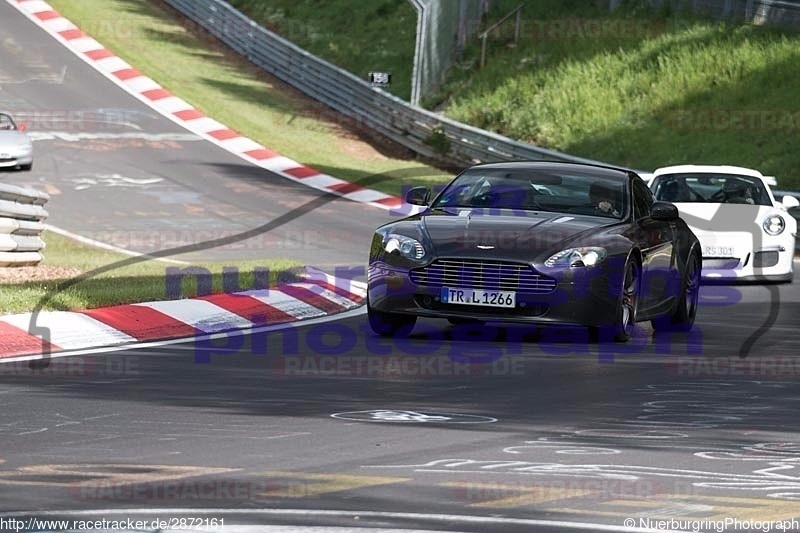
(424, 132)
(21, 214)
(784, 13)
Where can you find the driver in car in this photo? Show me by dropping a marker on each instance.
(603, 199)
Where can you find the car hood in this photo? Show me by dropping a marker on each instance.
(12, 138)
(727, 217)
(510, 235)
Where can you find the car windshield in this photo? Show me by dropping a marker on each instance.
(711, 188)
(533, 190)
(6, 122)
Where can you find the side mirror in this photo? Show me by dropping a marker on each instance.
(418, 196)
(790, 202)
(664, 211)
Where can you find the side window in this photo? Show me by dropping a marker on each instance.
(642, 200)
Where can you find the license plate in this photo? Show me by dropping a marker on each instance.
(718, 251)
(479, 297)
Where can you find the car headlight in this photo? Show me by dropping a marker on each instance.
(774, 225)
(577, 257)
(405, 246)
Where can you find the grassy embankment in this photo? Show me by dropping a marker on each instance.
(688, 91)
(361, 36)
(666, 88)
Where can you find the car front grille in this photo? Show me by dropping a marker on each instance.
(721, 263)
(486, 275)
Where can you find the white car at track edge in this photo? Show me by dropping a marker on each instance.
(745, 233)
(16, 148)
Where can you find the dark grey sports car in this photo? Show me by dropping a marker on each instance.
(539, 243)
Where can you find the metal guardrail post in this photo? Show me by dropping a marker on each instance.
(516, 11)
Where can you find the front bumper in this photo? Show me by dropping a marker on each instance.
(13, 161)
(586, 299)
(738, 256)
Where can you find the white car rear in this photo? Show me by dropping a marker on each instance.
(744, 232)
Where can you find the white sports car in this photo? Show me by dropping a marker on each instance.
(744, 232)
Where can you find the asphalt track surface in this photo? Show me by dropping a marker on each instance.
(493, 429)
(495, 423)
(121, 173)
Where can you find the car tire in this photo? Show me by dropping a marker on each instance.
(26, 167)
(628, 303)
(625, 317)
(682, 318)
(390, 324)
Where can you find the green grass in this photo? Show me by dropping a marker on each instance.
(621, 98)
(223, 85)
(140, 282)
(362, 36)
(644, 102)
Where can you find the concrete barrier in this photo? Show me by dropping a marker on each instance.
(21, 214)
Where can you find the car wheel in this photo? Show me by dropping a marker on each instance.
(26, 167)
(629, 303)
(627, 307)
(389, 324)
(682, 319)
